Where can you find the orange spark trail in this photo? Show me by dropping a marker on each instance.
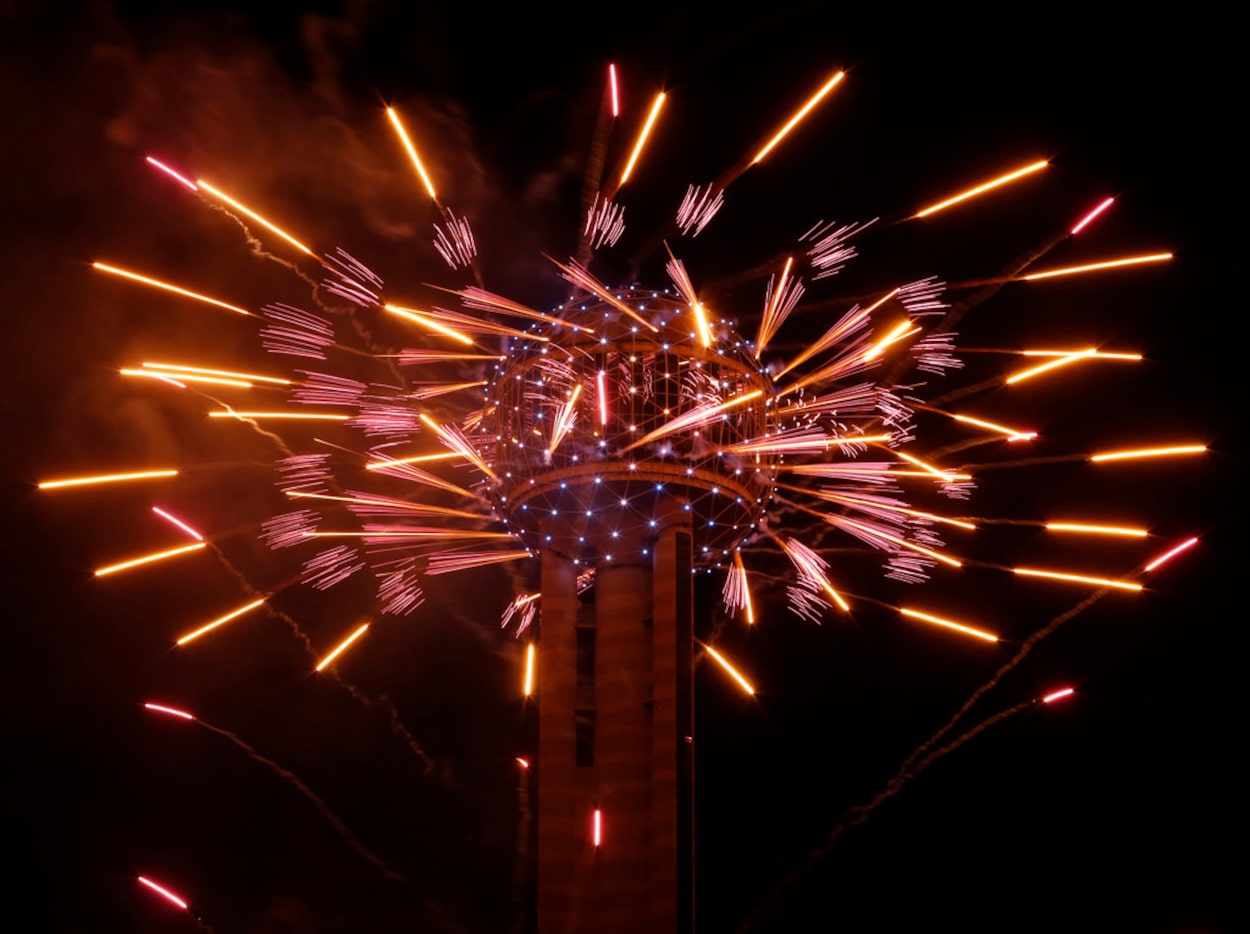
(148, 559)
(427, 322)
(799, 115)
(1096, 529)
(746, 590)
(171, 711)
(342, 647)
(1148, 452)
(274, 228)
(1092, 267)
(1046, 367)
(220, 621)
(733, 672)
(949, 624)
(157, 284)
(163, 892)
(1077, 578)
(1058, 695)
(179, 378)
(393, 116)
(642, 137)
(298, 416)
(528, 687)
(106, 478)
(1011, 433)
(981, 189)
(180, 370)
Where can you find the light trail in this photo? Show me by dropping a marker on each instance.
(171, 711)
(158, 284)
(452, 437)
(1047, 367)
(874, 532)
(427, 322)
(296, 416)
(269, 225)
(1101, 355)
(341, 647)
(1183, 546)
(178, 522)
(601, 390)
(596, 828)
(1092, 267)
(1085, 221)
(1011, 433)
(1077, 578)
(179, 378)
(799, 115)
(1096, 529)
(220, 621)
(564, 420)
(897, 333)
(927, 468)
(743, 582)
(416, 459)
(1147, 452)
(981, 189)
(701, 325)
(181, 369)
(106, 478)
(171, 173)
(642, 137)
(528, 687)
(1058, 695)
(616, 100)
(733, 672)
(163, 892)
(950, 624)
(393, 116)
(148, 559)
(696, 418)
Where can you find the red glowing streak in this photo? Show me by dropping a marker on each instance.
(616, 101)
(603, 398)
(523, 763)
(170, 172)
(597, 828)
(164, 893)
(1183, 546)
(1057, 695)
(178, 522)
(1081, 224)
(157, 708)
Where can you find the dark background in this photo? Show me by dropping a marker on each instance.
(1118, 810)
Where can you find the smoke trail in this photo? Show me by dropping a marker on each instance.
(520, 896)
(322, 808)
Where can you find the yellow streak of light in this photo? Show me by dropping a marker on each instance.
(426, 322)
(222, 196)
(1011, 433)
(148, 559)
(897, 333)
(721, 660)
(1089, 353)
(183, 368)
(1091, 267)
(390, 503)
(158, 284)
(981, 189)
(209, 627)
(187, 377)
(417, 459)
(678, 424)
(1096, 529)
(958, 627)
(305, 416)
(1038, 370)
(1077, 578)
(341, 647)
(1148, 452)
(412, 152)
(928, 468)
(746, 590)
(919, 473)
(700, 320)
(106, 478)
(529, 670)
(802, 112)
(642, 137)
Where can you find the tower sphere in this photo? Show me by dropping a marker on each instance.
(605, 421)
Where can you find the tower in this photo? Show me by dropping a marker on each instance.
(616, 431)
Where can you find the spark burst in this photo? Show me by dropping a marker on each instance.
(618, 404)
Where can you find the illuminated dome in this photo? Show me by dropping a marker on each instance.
(629, 405)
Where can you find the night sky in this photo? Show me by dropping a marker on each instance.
(1120, 809)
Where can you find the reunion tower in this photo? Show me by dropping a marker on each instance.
(623, 462)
